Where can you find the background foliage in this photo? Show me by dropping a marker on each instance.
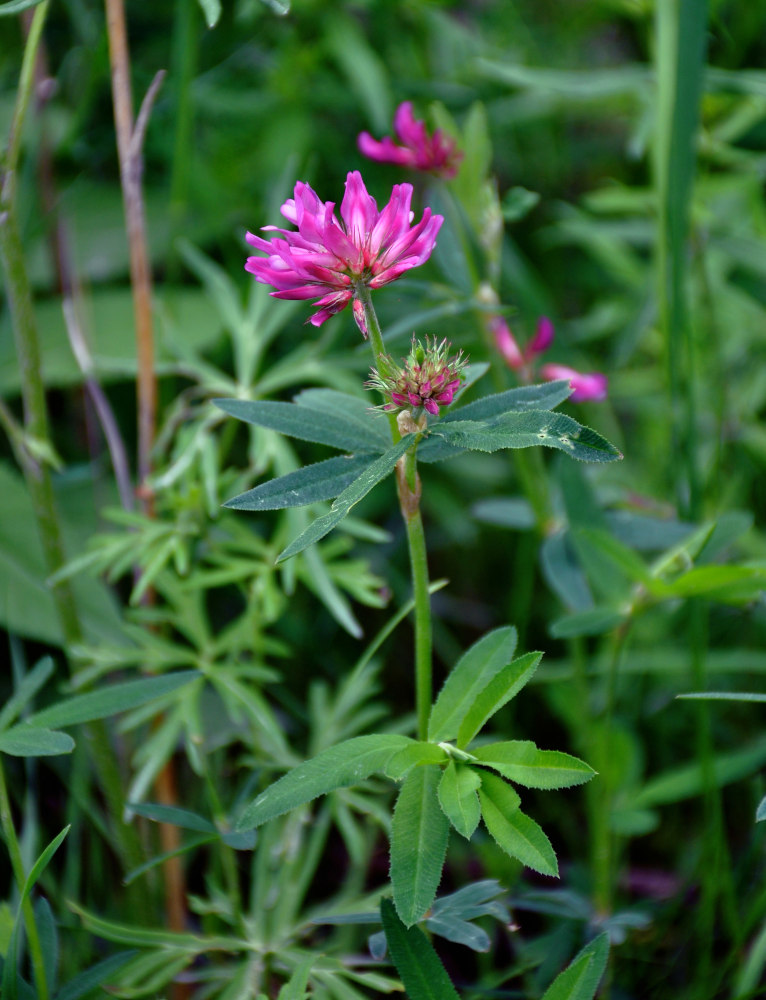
(643, 132)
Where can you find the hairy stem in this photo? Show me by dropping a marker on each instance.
(408, 487)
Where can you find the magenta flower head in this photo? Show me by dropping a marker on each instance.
(328, 259)
(585, 386)
(436, 154)
(429, 377)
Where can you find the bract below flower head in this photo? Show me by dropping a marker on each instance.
(436, 154)
(329, 258)
(429, 377)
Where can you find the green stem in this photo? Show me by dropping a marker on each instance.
(408, 486)
(417, 547)
(14, 850)
(23, 94)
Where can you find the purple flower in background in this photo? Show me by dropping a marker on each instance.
(590, 386)
(436, 154)
(327, 258)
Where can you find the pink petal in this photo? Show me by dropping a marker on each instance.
(589, 386)
(542, 339)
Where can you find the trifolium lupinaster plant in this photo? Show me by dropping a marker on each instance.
(449, 773)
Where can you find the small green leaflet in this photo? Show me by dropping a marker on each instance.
(361, 486)
(422, 973)
(458, 798)
(516, 833)
(345, 764)
(522, 762)
(469, 677)
(504, 685)
(580, 979)
(311, 484)
(419, 832)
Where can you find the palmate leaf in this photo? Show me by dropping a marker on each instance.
(361, 486)
(522, 762)
(309, 423)
(345, 764)
(311, 484)
(419, 832)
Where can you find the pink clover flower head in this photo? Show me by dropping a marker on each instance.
(327, 258)
(505, 342)
(591, 386)
(429, 377)
(436, 154)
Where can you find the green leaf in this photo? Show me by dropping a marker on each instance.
(26, 740)
(295, 987)
(460, 931)
(111, 700)
(419, 831)
(95, 977)
(518, 202)
(413, 755)
(458, 798)
(16, 6)
(157, 937)
(345, 764)
(471, 674)
(172, 814)
(307, 423)
(352, 410)
(594, 621)
(311, 484)
(545, 396)
(10, 979)
(522, 762)
(212, 11)
(691, 779)
(498, 692)
(527, 430)
(579, 981)
(521, 400)
(28, 687)
(418, 965)
(361, 486)
(760, 813)
(733, 584)
(516, 833)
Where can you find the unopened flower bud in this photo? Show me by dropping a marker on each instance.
(428, 378)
